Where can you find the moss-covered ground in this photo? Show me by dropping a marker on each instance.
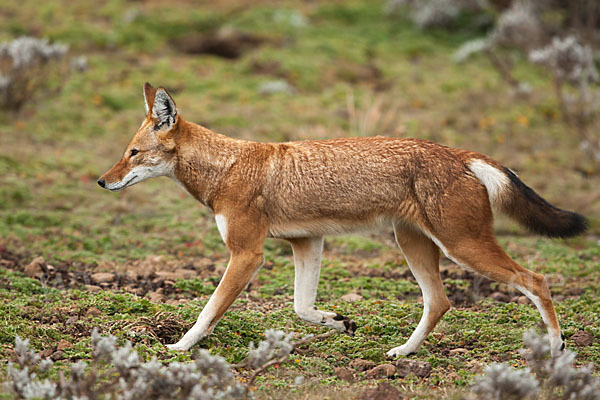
(354, 71)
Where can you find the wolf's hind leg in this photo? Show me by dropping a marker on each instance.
(422, 256)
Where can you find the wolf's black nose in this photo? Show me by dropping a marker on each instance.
(101, 182)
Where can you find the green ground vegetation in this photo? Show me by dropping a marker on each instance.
(354, 71)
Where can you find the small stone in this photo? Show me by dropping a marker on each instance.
(344, 373)
(103, 277)
(499, 296)
(219, 270)
(176, 302)
(57, 355)
(384, 391)
(361, 365)
(459, 350)
(46, 353)
(422, 369)
(64, 344)
(382, 371)
(276, 86)
(351, 297)
(159, 281)
(93, 288)
(36, 268)
(155, 297)
(180, 273)
(583, 338)
(523, 300)
(93, 312)
(71, 320)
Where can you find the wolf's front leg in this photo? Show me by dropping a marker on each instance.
(307, 260)
(245, 241)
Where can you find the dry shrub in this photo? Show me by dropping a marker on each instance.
(546, 378)
(564, 46)
(31, 67)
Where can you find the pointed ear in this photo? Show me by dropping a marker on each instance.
(149, 93)
(164, 110)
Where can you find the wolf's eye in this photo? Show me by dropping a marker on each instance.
(134, 152)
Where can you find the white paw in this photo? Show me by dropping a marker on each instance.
(557, 345)
(178, 347)
(400, 351)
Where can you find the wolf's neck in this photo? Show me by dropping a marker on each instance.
(203, 160)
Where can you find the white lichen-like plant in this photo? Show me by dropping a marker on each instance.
(118, 372)
(30, 66)
(567, 59)
(276, 345)
(501, 381)
(546, 378)
(434, 13)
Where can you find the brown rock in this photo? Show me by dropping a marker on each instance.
(523, 300)
(176, 302)
(422, 369)
(103, 277)
(180, 273)
(93, 288)
(384, 391)
(93, 312)
(499, 296)
(155, 297)
(46, 353)
(57, 355)
(351, 297)
(459, 350)
(382, 371)
(64, 344)
(344, 373)
(361, 365)
(36, 268)
(583, 338)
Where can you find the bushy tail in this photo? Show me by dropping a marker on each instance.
(517, 200)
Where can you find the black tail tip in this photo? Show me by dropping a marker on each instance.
(572, 224)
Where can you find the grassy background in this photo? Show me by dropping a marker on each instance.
(354, 72)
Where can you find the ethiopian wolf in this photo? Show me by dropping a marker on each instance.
(434, 197)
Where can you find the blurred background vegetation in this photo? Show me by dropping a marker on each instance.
(516, 80)
(267, 71)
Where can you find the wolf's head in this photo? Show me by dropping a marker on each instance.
(151, 151)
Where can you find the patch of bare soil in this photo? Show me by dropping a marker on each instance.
(154, 277)
(478, 286)
(383, 391)
(224, 43)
